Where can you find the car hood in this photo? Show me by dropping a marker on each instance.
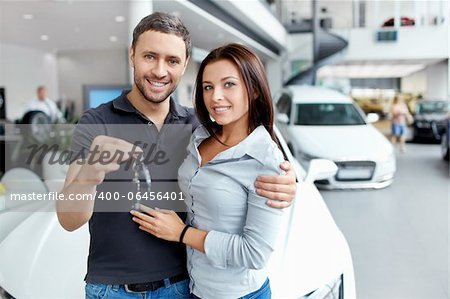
(431, 117)
(311, 250)
(34, 259)
(342, 142)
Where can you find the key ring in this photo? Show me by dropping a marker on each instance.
(138, 168)
(137, 162)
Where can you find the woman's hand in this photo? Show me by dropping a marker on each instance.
(164, 224)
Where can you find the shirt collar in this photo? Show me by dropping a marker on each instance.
(177, 110)
(254, 145)
(122, 103)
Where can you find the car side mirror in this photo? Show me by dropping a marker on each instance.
(320, 169)
(283, 118)
(372, 117)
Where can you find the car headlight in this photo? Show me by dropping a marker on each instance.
(423, 124)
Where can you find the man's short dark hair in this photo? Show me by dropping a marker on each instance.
(164, 23)
(40, 87)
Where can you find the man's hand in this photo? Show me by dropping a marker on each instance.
(105, 155)
(279, 189)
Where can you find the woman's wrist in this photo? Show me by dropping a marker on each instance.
(183, 233)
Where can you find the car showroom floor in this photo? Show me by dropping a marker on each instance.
(399, 235)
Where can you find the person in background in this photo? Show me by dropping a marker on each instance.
(230, 232)
(400, 117)
(44, 104)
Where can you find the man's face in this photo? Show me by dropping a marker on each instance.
(159, 61)
(42, 94)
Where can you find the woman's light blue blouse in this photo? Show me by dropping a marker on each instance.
(221, 198)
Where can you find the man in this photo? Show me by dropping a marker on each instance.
(44, 104)
(124, 261)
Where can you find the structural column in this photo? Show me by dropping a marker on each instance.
(137, 11)
(316, 42)
(397, 16)
(274, 70)
(355, 13)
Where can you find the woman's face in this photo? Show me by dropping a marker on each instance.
(225, 94)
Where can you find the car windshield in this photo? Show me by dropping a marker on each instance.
(327, 114)
(439, 107)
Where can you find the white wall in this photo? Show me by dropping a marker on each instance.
(274, 75)
(80, 67)
(432, 81)
(21, 71)
(437, 81)
(184, 93)
(299, 48)
(412, 43)
(415, 83)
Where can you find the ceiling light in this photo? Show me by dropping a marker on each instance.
(44, 37)
(119, 19)
(28, 16)
(113, 39)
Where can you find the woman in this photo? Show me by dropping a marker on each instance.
(230, 231)
(400, 116)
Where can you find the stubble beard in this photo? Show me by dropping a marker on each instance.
(148, 96)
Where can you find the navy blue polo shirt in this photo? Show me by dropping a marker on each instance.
(119, 252)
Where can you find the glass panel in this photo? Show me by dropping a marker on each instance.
(386, 12)
(338, 12)
(294, 11)
(435, 12)
(327, 114)
(431, 107)
(407, 9)
(284, 105)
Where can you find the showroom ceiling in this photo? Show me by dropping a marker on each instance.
(70, 25)
(67, 25)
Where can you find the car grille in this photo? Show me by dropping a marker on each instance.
(355, 170)
(429, 129)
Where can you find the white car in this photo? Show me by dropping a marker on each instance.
(322, 123)
(39, 259)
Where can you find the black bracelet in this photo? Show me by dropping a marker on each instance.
(183, 232)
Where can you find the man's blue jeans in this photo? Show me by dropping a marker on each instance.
(107, 291)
